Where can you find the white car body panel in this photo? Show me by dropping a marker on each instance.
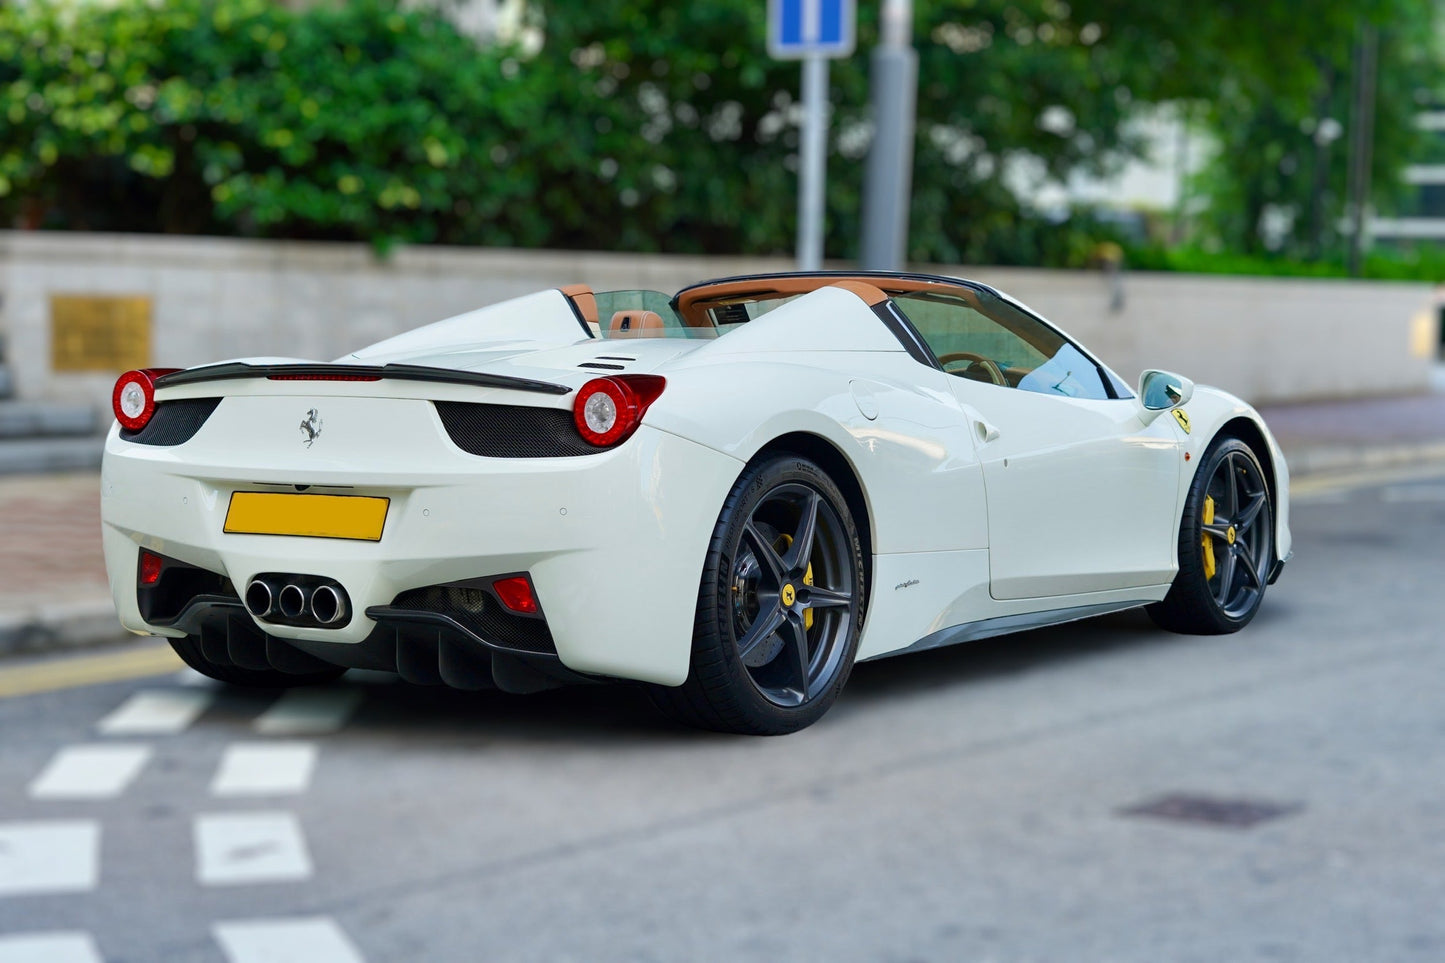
(545, 318)
(1071, 509)
(1081, 493)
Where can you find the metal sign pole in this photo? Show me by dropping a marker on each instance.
(812, 163)
(888, 181)
(812, 31)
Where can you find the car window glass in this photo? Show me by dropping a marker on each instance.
(984, 338)
(1068, 373)
(647, 314)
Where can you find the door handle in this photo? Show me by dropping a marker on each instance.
(986, 432)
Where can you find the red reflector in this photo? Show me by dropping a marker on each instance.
(150, 568)
(322, 377)
(516, 594)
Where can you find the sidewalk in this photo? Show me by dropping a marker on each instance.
(1371, 433)
(53, 590)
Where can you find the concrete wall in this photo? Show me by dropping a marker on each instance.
(215, 298)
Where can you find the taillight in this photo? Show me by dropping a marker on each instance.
(134, 397)
(608, 410)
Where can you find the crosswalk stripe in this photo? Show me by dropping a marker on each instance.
(241, 848)
(90, 772)
(306, 712)
(156, 712)
(57, 856)
(48, 948)
(265, 769)
(315, 939)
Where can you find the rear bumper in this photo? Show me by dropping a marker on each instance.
(614, 542)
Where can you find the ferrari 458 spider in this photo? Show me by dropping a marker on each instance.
(730, 495)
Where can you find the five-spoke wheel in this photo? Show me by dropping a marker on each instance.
(779, 606)
(1226, 545)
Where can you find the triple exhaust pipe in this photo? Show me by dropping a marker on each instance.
(298, 600)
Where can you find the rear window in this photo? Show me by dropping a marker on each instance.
(642, 314)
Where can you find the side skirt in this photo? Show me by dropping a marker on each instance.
(1004, 624)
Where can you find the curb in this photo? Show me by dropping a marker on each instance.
(1339, 459)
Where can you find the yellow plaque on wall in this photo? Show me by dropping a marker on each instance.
(90, 332)
(1424, 337)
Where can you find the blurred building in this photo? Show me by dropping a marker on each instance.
(1422, 217)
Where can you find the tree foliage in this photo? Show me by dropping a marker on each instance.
(632, 124)
(1278, 184)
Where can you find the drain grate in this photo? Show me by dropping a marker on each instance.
(1213, 811)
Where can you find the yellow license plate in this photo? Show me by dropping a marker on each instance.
(316, 516)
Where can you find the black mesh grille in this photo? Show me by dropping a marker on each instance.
(174, 422)
(478, 611)
(512, 431)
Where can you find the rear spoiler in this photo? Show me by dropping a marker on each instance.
(355, 372)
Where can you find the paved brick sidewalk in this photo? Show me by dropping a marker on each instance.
(1331, 435)
(52, 572)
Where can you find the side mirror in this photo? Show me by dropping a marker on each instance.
(1163, 390)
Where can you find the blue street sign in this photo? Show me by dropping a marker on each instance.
(810, 28)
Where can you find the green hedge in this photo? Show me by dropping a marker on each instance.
(242, 116)
(639, 126)
(1419, 262)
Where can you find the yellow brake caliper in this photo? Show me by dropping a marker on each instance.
(785, 542)
(1209, 567)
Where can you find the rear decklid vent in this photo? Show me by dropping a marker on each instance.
(607, 362)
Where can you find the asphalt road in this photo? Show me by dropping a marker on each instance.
(966, 804)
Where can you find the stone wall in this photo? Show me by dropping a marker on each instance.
(1268, 340)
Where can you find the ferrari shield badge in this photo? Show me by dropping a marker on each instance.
(1183, 419)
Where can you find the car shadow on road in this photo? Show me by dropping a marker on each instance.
(609, 713)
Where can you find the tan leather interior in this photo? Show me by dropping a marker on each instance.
(584, 301)
(870, 293)
(635, 324)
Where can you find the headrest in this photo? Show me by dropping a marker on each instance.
(635, 324)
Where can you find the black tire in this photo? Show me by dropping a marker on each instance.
(745, 678)
(189, 649)
(1228, 521)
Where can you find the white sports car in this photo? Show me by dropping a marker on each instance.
(730, 495)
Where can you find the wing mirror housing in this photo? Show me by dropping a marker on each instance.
(1163, 391)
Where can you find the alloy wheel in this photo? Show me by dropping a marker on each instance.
(792, 606)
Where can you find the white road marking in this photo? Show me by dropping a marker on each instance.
(315, 939)
(239, 848)
(265, 769)
(156, 712)
(59, 856)
(90, 772)
(306, 712)
(1414, 493)
(48, 948)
